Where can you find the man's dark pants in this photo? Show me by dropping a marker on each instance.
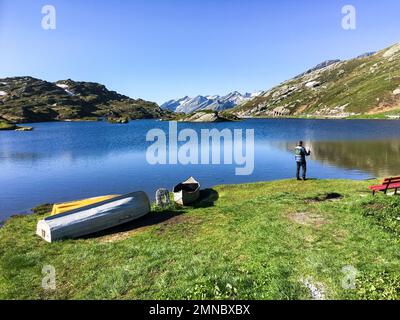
(303, 166)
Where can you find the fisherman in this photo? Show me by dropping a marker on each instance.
(300, 155)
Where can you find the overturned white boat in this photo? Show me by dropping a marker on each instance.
(95, 217)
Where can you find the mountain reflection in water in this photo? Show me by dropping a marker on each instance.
(377, 157)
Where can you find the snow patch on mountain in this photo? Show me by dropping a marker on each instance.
(65, 87)
(210, 102)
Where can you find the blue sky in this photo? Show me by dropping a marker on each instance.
(163, 49)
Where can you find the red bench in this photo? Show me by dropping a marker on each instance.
(387, 184)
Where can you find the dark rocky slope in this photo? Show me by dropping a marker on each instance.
(27, 99)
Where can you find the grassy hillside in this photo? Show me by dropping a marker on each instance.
(365, 86)
(4, 125)
(26, 99)
(256, 241)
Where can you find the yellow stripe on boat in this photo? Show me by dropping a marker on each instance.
(72, 205)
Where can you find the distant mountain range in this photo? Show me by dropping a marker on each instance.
(368, 85)
(27, 99)
(216, 103)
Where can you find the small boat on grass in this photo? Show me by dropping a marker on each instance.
(187, 192)
(94, 217)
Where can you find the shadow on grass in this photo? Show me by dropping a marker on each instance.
(152, 218)
(206, 199)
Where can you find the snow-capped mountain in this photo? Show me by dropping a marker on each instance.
(216, 103)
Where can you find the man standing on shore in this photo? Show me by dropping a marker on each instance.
(300, 155)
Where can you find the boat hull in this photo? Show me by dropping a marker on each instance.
(94, 218)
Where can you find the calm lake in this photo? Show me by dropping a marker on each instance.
(72, 160)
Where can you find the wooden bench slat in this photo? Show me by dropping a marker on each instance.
(387, 184)
(391, 182)
(392, 178)
(383, 187)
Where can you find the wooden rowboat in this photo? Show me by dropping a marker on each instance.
(187, 192)
(95, 217)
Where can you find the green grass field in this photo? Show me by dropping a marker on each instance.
(253, 241)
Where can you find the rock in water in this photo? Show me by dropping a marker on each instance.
(122, 120)
(207, 116)
(24, 129)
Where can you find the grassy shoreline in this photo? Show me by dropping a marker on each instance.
(251, 241)
(6, 126)
(382, 116)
